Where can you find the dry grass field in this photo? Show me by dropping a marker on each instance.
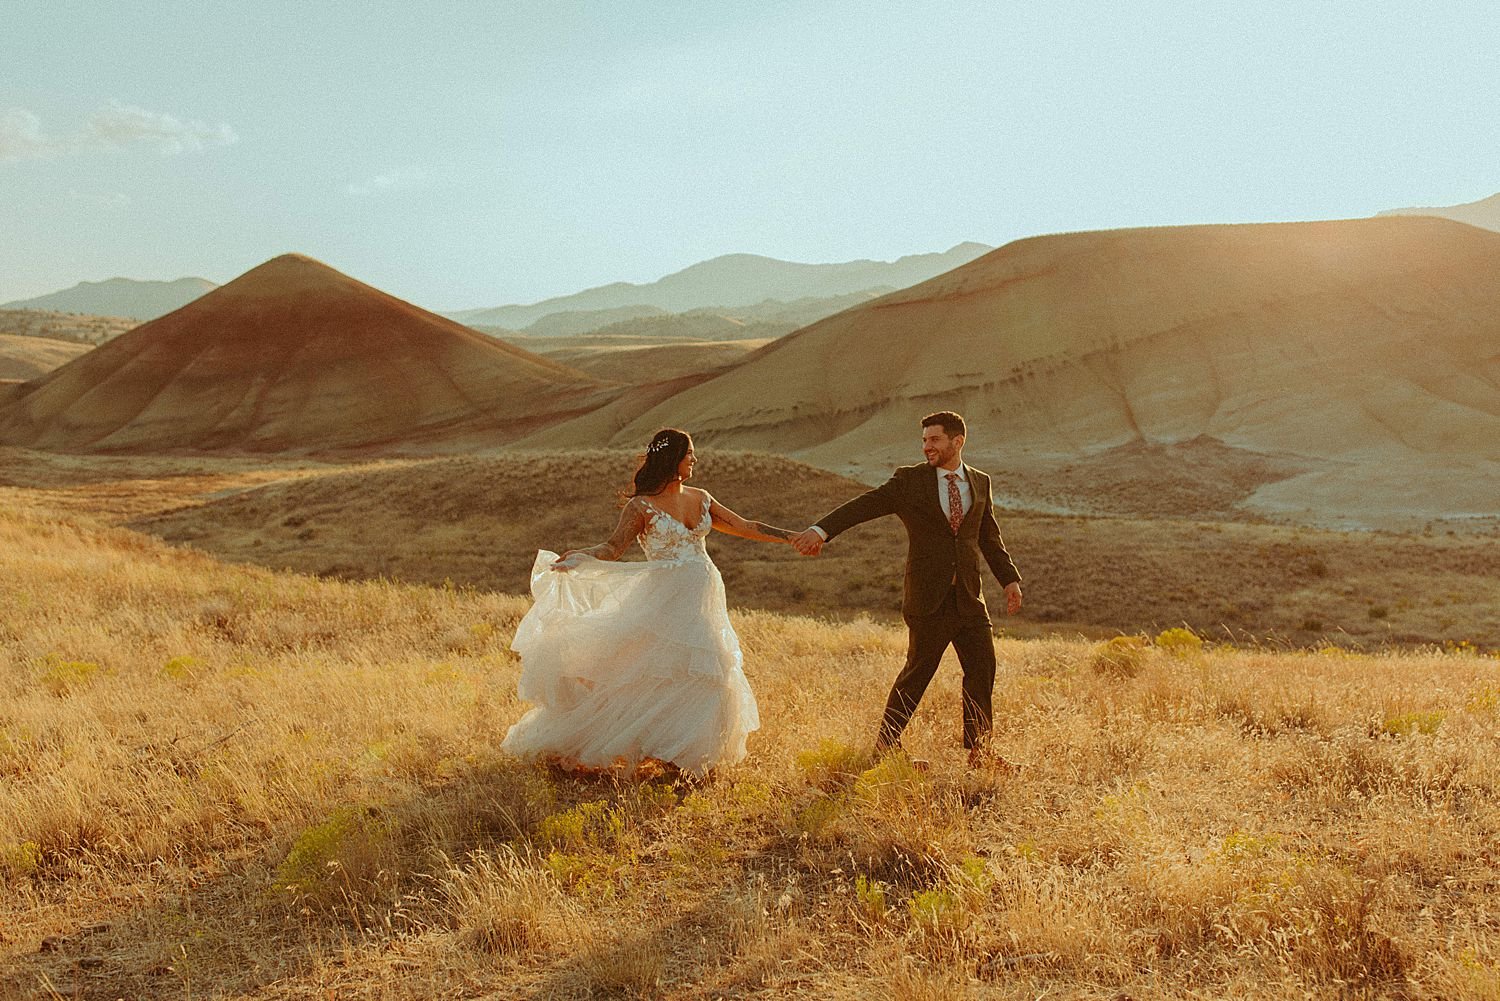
(479, 520)
(81, 328)
(23, 358)
(638, 359)
(224, 781)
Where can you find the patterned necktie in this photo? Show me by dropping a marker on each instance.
(955, 504)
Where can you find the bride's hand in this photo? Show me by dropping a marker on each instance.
(567, 561)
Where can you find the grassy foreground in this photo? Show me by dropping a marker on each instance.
(217, 781)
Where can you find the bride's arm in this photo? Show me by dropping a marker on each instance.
(729, 523)
(632, 523)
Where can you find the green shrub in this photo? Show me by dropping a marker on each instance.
(1239, 847)
(348, 848)
(818, 817)
(1409, 723)
(181, 668)
(655, 799)
(1180, 641)
(1119, 657)
(832, 757)
(937, 911)
(64, 677)
(587, 825)
(974, 873)
(1483, 700)
(21, 860)
(891, 776)
(751, 796)
(566, 868)
(870, 896)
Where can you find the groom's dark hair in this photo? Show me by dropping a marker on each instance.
(951, 423)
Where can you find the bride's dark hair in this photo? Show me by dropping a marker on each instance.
(667, 449)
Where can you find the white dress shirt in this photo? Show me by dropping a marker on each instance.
(965, 495)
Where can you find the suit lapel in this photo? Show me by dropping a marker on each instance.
(929, 481)
(973, 480)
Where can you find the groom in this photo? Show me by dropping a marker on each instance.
(950, 522)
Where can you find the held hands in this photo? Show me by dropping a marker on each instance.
(808, 542)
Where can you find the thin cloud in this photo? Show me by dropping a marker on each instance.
(124, 124)
(391, 180)
(109, 200)
(115, 126)
(21, 136)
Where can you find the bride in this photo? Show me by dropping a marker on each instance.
(635, 662)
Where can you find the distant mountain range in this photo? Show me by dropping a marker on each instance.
(138, 300)
(745, 287)
(1484, 213)
(734, 280)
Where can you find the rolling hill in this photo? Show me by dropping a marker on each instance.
(637, 360)
(294, 357)
(80, 328)
(1484, 213)
(23, 358)
(1354, 364)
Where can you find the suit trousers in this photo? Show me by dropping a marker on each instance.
(928, 637)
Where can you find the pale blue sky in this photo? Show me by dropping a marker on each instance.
(472, 154)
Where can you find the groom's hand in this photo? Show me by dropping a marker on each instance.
(1012, 598)
(808, 542)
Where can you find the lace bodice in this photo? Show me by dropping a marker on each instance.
(666, 538)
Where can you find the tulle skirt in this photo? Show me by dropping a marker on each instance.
(630, 661)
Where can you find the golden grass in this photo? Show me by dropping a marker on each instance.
(629, 360)
(220, 781)
(479, 521)
(25, 358)
(81, 328)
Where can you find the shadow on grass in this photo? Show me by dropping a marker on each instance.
(311, 905)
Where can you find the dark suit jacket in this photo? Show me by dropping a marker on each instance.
(935, 557)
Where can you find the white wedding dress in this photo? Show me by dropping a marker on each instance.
(628, 661)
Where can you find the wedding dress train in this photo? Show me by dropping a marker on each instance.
(629, 661)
